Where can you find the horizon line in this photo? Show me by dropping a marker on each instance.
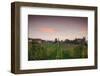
(59, 39)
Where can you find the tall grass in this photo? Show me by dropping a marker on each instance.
(49, 51)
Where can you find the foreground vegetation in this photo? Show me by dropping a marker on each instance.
(49, 51)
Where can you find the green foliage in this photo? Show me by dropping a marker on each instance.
(37, 52)
(49, 51)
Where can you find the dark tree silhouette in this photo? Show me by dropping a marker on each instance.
(56, 40)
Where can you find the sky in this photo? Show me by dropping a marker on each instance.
(61, 27)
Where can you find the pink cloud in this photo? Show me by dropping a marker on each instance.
(47, 30)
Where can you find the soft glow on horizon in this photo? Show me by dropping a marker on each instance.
(47, 30)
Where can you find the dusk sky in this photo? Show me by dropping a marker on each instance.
(51, 27)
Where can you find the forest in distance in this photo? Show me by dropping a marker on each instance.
(39, 49)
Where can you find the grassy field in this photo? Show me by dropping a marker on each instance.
(50, 51)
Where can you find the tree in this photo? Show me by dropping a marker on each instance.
(56, 40)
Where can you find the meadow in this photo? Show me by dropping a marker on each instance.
(60, 50)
